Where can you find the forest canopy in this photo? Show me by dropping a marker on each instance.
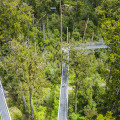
(32, 35)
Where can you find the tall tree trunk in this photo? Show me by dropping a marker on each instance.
(3, 60)
(76, 99)
(31, 105)
(61, 32)
(67, 36)
(74, 19)
(25, 105)
(33, 36)
(92, 37)
(85, 28)
(73, 29)
(61, 21)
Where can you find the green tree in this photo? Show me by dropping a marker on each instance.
(80, 66)
(109, 17)
(27, 72)
(15, 19)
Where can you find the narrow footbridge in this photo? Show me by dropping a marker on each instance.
(63, 100)
(4, 112)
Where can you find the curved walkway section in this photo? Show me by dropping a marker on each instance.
(63, 101)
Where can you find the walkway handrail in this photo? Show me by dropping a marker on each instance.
(5, 115)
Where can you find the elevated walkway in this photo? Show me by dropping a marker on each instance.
(63, 100)
(4, 112)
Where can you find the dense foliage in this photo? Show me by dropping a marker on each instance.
(31, 57)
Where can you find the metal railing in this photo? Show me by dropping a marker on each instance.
(4, 112)
(63, 100)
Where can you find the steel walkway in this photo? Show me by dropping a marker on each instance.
(4, 112)
(63, 100)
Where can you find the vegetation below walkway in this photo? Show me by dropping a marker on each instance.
(32, 34)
